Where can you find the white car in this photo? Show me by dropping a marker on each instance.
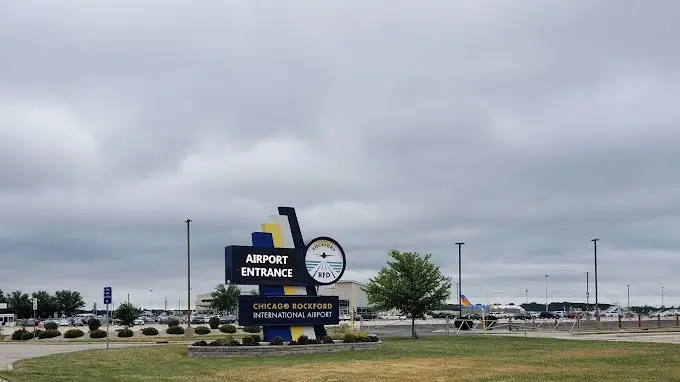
(139, 321)
(64, 322)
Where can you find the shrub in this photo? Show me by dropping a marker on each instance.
(313, 342)
(49, 334)
(97, 334)
(373, 338)
(175, 330)
(303, 340)
(227, 328)
(350, 338)
(173, 322)
(202, 330)
(252, 329)
(150, 331)
(27, 336)
(219, 342)
(93, 324)
(277, 341)
(125, 333)
(73, 333)
(253, 340)
(200, 343)
(292, 343)
(51, 325)
(234, 343)
(214, 322)
(16, 336)
(327, 340)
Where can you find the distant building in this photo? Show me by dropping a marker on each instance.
(203, 303)
(351, 297)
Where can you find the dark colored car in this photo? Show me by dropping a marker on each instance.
(547, 315)
(521, 316)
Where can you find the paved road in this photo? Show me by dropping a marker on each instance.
(10, 352)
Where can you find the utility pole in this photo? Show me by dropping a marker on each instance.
(597, 304)
(189, 331)
(460, 285)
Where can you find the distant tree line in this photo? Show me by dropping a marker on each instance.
(64, 302)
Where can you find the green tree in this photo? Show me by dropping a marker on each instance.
(409, 283)
(225, 299)
(20, 304)
(67, 301)
(126, 314)
(254, 292)
(47, 304)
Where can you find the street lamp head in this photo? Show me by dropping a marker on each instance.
(595, 239)
(459, 243)
(188, 221)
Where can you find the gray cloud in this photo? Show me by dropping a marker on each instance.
(523, 129)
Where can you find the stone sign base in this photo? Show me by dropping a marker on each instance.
(254, 351)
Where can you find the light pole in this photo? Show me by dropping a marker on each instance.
(460, 285)
(457, 289)
(628, 285)
(150, 299)
(587, 296)
(189, 331)
(128, 298)
(166, 305)
(546, 292)
(662, 307)
(526, 296)
(597, 305)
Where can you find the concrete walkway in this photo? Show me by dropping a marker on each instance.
(10, 352)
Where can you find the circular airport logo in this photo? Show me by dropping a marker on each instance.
(325, 260)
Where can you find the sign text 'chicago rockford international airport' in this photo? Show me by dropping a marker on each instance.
(289, 310)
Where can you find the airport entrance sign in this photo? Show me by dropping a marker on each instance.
(288, 272)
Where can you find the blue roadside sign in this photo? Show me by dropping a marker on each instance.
(107, 295)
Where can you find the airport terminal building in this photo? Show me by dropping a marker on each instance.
(352, 298)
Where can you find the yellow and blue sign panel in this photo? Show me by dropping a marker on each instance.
(287, 272)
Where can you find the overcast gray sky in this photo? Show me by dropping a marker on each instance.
(523, 128)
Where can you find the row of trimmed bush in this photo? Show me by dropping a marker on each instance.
(95, 332)
(254, 340)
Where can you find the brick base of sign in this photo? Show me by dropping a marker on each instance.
(254, 351)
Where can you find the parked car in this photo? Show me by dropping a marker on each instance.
(138, 321)
(521, 316)
(547, 315)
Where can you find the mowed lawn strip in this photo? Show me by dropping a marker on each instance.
(430, 359)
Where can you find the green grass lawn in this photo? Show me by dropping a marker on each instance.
(426, 359)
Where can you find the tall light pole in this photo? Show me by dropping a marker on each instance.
(457, 290)
(587, 294)
(628, 285)
(526, 296)
(150, 299)
(188, 221)
(662, 298)
(597, 305)
(546, 292)
(128, 298)
(460, 285)
(166, 304)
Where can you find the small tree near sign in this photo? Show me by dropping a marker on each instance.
(410, 283)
